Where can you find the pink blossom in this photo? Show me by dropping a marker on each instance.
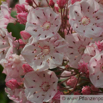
(13, 67)
(17, 95)
(76, 47)
(89, 52)
(42, 23)
(41, 86)
(84, 23)
(5, 16)
(86, 90)
(6, 44)
(96, 70)
(44, 54)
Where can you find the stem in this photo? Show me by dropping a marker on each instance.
(35, 3)
(61, 18)
(47, 3)
(75, 84)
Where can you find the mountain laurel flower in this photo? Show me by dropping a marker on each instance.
(84, 23)
(13, 67)
(44, 54)
(6, 44)
(42, 23)
(96, 70)
(17, 95)
(89, 52)
(5, 16)
(41, 86)
(51, 47)
(76, 47)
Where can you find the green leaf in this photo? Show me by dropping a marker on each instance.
(13, 14)
(15, 29)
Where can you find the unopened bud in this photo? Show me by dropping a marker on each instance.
(12, 84)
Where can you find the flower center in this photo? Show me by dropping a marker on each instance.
(46, 50)
(85, 20)
(15, 58)
(46, 26)
(45, 86)
(81, 49)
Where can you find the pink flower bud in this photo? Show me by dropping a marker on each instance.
(20, 8)
(57, 95)
(86, 90)
(27, 68)
(73, 1)
(51, 3)
(22, 17)
(12, 84)
(77, 93)
(25, 35)
(56, 98)
(56, 8)
(29, 2)
(99, 45)
(21, 43)
(71, 82)
(61, 3)
(84, 69)
(94, 89)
